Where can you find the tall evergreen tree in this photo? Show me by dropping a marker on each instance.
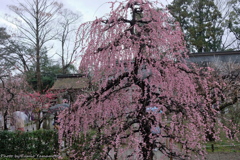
(49, 70)
(199, 21)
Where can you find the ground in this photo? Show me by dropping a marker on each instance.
(224, 156)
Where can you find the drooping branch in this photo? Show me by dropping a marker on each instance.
(147, 93)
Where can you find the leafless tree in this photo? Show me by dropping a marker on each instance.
(34, 22)
(67, 30)
(229, 40)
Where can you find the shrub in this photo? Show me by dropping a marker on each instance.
(36, 143)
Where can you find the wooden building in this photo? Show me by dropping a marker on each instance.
(68, 86)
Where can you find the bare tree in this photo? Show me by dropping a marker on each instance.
(229, 40)
(234, 20)
(4, 39)
(67, 30)
(34, 23)
(19, 56)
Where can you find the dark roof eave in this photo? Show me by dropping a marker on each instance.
(64, 89)
(70, 75)
(214, 53)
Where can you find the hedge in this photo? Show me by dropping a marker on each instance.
(37, 143)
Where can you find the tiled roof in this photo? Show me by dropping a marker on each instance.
(214, 53)
(71, 82)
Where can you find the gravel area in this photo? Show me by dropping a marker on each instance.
(223, 156)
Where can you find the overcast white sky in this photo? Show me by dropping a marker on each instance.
(90, 9)
(93, 8)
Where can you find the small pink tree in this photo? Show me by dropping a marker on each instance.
(38, 103)
(17, 95)
(137, 56)
(13, 98)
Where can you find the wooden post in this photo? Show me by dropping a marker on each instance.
(170, 146)
(212, 147)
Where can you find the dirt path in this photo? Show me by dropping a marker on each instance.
(223, 156)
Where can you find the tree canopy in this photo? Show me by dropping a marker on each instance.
(200, 22)
(49, 71)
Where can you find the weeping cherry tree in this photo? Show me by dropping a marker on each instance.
(149, 98)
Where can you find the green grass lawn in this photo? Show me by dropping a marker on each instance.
(225, 145)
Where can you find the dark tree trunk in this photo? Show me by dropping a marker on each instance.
(38, 50)
(5, 120)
